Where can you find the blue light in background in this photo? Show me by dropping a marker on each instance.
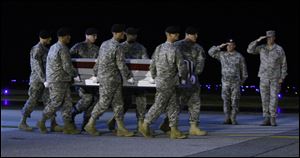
(5, 91)
(278, 110)
(280, 96)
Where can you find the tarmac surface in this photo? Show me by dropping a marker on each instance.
(243, 140)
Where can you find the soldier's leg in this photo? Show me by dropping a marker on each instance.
(106, 94)
(57, 94)
(235, 97)
(162, 97)
(83, 104)
(274, 90)
(34, 93)
(172, 110)
(54, 127)
(111, 123)
(194, 104)
(141, 105)
(66, 110)
(87, 115)
(226, 101)
(118, 105)
(265, 99)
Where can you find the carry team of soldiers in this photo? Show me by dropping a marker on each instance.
(52, 74)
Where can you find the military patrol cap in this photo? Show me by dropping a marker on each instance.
(117, 28)
(44, 34)
(63, 31)
(132, 31)
(191, 30)
(270, 33)
(91, 31)
(172, 29)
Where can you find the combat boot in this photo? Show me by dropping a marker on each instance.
(90, 127)
(176, 134)
(69, 128)
(195, 130)
(145, 130)
(41, 125)
(164, 126)
(273, 121)
(23, 125)
(122, 131)
(111, 124)
(266, 122)
(55, 127)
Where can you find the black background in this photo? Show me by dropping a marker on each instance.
(217, 20)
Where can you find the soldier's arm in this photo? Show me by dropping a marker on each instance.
(145, 54)
(182, 69)
(38, 63)
(253, 48)
(67, 63)
(74, 51)
(152, 66)
(95, 68)
(283, 66)
(200, 62)
(120, 60)
(215, 52)
(244, 72)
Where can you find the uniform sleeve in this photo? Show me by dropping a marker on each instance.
(74, 51)
(182, 69)
(200, 61)
(38, 63)
(145, 54)
(244, 72)
(120, 60)
(153, 63)
(283, 66)
(253, 48)
(215, 52)
(67, 63)
(95, 68)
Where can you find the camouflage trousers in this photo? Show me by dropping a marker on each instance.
(36, 92)
(191, 97)
(60, 97)
(166, 100)
(87, 101)
(109, 94)
(269, 90)
(230, 95)
(140, 101)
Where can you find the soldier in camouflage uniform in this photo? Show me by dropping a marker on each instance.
(194, 53)
(111, 70)
(38, 55)
(85, 49)
(166, 62)
(59, 74)
(133, 50)
(272, 72)
(234, 74)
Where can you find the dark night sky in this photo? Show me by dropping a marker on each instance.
(217, 21)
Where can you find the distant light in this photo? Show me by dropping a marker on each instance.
(247, 86)
(243, 90)
(296, 93)
(242, 86)
(288, 87)
(208, 88)
(279, 96)
(5, 91)
(257, 90)
(14, 81)
(5, 102)
(294, 87)
(278, 110)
